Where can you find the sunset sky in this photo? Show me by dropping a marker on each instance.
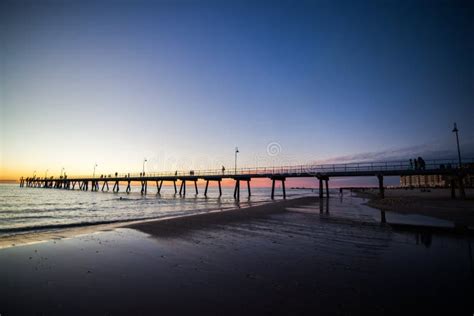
(184, 82)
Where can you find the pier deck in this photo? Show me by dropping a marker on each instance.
(449, 168)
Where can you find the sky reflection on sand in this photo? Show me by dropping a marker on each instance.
(286, 261)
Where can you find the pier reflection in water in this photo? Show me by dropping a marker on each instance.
(445, 244)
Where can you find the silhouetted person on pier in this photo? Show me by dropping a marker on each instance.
(140, 174)
(421, 163)
(116, 174)
(176, 173)
(128, 175)
(223, 169)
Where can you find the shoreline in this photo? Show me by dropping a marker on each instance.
(39, 236)
(177, 225)
(435, 203)
(396, 201)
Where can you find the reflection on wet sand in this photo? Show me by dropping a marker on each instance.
(290, 257)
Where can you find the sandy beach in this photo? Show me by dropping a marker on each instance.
(430, 202)
(291, 257)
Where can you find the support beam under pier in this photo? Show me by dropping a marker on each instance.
(326, 180)
(116, 187)
(182, 188)
(237, 190)
(321, 194)
(381, 187)
(282, 179)
(208, 179)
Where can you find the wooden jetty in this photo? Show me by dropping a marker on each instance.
(323, 173)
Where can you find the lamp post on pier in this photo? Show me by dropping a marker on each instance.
(462, 192)
(235, 161)
(34, 174)
(93, 174)
(46, 173)
(143, 171)
(455, 130)
(62, 169)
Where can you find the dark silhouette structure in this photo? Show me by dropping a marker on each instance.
(322, 172)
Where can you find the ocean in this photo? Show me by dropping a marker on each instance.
(25, 210)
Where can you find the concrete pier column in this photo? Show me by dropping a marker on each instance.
(128, 189)
(220, 188)
(182, 188)
(283, 187)
(381, 187)
(273, 189)
(174, 184)
(321, 195)
(248, 187)
(116, 186)
(278, 178)
(159, 187)
(237, 190)
(327, 187)
(205, 190)
(196, 187)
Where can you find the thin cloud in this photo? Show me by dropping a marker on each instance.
(427, 151)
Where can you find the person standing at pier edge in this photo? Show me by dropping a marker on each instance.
(421, 163)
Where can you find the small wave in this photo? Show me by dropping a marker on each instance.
(26, 229)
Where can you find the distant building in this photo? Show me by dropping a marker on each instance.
(433, 181)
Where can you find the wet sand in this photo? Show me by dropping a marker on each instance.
(294, 257)
(433, 202)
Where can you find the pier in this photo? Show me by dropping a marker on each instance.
(323, 173)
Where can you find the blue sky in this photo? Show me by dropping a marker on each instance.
(184, 82)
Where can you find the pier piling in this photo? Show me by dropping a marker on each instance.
(381, 187)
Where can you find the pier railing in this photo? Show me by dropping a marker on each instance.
(299, 170)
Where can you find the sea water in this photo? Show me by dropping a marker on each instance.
(24, 210)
